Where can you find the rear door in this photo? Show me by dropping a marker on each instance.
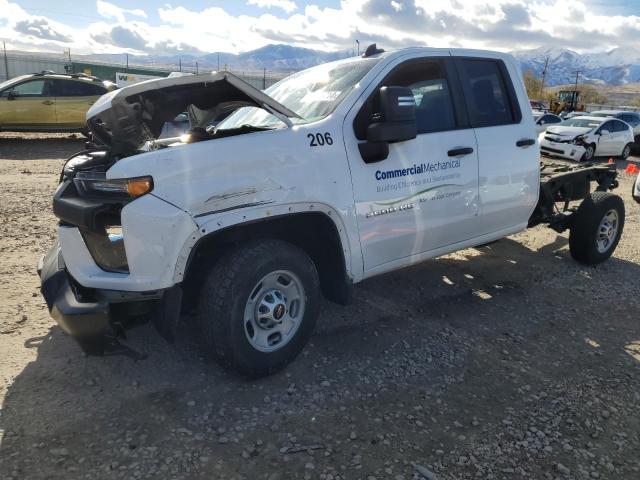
(509, 178)
(73, 99)
(423, 196)
(28, 105)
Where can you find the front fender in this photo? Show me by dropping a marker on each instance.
(219, 221)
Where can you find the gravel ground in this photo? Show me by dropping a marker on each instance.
(509, 361)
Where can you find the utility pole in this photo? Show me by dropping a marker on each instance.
(574, 96)
(6, 62)
(218, 62)
(544, 76)
(197, 67)
(264, 79)
(127, 60)
(358, 44)
(180, 59)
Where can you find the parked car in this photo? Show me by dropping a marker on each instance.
(585, 137)
(333, 175)
(545, 120)
(49, 102)
(632, 118)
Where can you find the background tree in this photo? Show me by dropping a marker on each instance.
(592, 94)
(532, 84)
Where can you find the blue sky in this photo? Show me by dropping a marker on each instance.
(199, 26)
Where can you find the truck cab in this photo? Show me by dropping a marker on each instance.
(333, 175)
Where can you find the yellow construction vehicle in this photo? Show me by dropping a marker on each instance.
(566, 101)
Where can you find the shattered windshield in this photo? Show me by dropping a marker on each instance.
(312, 94)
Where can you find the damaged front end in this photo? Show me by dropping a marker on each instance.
(124, 120)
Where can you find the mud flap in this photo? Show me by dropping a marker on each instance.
(166, 315)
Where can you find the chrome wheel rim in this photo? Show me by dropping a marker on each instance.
(607, 231)
(274, 311)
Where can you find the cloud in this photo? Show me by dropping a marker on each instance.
(122, 36)
(40, 28)
(286, 5)
(109, 10)
(492, 24)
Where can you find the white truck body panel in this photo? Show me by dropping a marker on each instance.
(440, 203)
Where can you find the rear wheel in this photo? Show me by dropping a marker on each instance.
(596, 228)
(259, 306)
(626, 151)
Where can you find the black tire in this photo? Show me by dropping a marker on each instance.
(626, 151)
(224, 296)
(585, 227)
(589, 155)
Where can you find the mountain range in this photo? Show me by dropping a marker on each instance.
(614, 68)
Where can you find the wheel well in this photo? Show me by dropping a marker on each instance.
(313, 232)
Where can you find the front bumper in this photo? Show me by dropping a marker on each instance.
(83, 319)
(565, 150)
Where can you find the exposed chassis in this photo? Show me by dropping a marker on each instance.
(565, 183)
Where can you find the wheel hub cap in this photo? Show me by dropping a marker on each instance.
(271, 309)
(274, 311)
(607, 231)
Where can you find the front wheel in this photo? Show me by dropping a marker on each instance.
(259, 306)
(589, 153)
(596, 228)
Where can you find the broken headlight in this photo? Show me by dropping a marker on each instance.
(579, 140)
(96, 184)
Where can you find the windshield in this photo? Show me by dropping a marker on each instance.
(581, 122)
(312, 94)
(7, 83)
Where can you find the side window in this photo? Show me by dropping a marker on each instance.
(76, 88)
(34, 88)
(552, 119)
(619, 127)
(489, 93)
(606, 126)
(428, 81)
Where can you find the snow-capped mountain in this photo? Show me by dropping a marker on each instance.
(615, 67)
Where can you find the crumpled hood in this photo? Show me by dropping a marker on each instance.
(127, 118)
(568, 131)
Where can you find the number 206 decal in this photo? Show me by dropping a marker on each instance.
(319, 139)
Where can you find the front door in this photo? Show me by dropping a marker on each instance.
(423, 196)
(606, 139)
(27, 105)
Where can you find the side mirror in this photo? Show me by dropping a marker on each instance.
(398, 120)
(12, 95)
(396, 123)
(604, 132)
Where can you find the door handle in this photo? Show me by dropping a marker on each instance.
(458, 152)
(527, 142)
(47, 102)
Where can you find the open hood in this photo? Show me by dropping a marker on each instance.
(127, 118)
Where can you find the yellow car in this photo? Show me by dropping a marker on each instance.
(49, 102)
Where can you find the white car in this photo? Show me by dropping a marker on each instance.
(336, 174)
(636, 189)
(583, 138)
(545, 120)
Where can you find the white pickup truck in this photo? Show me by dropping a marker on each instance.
(336, 174)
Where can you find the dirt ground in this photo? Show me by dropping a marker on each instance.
(509, 361)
